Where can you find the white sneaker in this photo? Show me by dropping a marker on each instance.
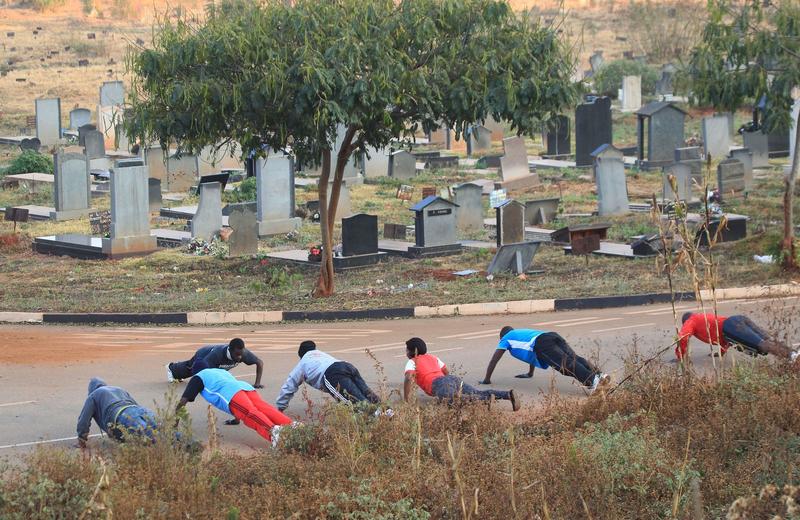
(794, 355)
(599, 381)
(388, 412)
(170, 377)
(275, 433)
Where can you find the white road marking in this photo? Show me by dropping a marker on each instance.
(462, 335)
(492, 334)
(573, 323)
(626, 327)
(567, 321)
(50, 441)
(659, 310)
(18, 402)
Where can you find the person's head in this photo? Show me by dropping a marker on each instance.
(306, 347)
(415, 347)
(686, 316)
(505, 330)
(236, 349)
(199, 365)
(95, 383)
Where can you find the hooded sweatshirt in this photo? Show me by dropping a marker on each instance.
(311, 369)
(102, 405)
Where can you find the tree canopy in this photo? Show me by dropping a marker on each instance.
(750, 50)
(270, 74)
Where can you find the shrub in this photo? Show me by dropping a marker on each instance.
(665, 31)
(30, 162)
(244, 192)
(609, 78)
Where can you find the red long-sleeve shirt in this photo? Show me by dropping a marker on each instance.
(696, 326)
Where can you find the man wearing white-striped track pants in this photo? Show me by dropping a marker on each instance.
(324, 372)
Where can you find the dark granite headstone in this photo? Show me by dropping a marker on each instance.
(515, 258)
(592, 129)
(32, 144)
(359, 235)
(394, 231)
(82, 131)
(557, 136)
(510, 222)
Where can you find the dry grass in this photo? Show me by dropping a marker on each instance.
(663, 446)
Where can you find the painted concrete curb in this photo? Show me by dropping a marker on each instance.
(465, 309)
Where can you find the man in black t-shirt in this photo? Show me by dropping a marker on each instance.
(217, 356)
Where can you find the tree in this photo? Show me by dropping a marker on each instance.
(750, 50)
(268, 74)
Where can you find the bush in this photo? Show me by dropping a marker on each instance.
(609, 78)
(244, 192)
(665, 31)
(30, 162)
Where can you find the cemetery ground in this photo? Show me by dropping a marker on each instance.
(173, 280)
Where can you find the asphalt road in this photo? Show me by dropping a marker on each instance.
(44, 370)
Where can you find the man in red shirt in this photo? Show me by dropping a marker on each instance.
(739, 331)
(432, 376)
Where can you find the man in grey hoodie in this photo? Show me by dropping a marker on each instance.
(324, 372)
(115, 412)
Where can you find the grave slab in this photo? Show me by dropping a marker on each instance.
(72, 189)
(48, 121)
(716, 137)
(275, 195)
(515, 258)
(243, 241)
(130, 215)
(469, 214)
(208, 220)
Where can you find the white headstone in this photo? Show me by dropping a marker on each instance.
(469, 213)
(275, 195)
(79, 117)
(207, 220)
(514, 163)
(631, 93)
(112, 93)
(72, 189)
(612, 188)
(716, 136)
(130, 213)
(48, 120)
(377, 165)
(682, 173)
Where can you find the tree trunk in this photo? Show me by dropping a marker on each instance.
(325, 280)
(789, 247)
(327, 210)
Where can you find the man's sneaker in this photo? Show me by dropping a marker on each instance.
(600, 380)
(794, 355)
(515, 402)
(388, 412)
(170, 377)
(275, 433)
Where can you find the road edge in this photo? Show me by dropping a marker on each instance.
(465, 309)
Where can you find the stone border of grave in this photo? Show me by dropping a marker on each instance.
(466, 309)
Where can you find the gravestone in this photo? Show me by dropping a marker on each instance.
(716, 136)
(592, 129)
(48, 120)
(402, 165)
(72, 189)
(207, 221)
(79, 117)
(480, 140)
(758, 144)
(377, 165)
(631, 93)
(682, 174)
(154, 194)
(661, 125)
(469, 214)
(344, 208)
(112, 93)
(510, 218)
(182, 173)
(691, 155)
(394, 231)
(94, 144)
(596, 61)
(541, 211)
(514, 258)
(744, 156)
(82, 131)
(130, 214)
(243, 240)
(156, 163)
(730, 177)
(275, 195)
(32, 144)
(514, 170)
(359, 235)
(609, 175)
(557, 136)
(664, 84)
(434, 227)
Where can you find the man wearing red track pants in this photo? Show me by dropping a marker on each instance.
(235, 397)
